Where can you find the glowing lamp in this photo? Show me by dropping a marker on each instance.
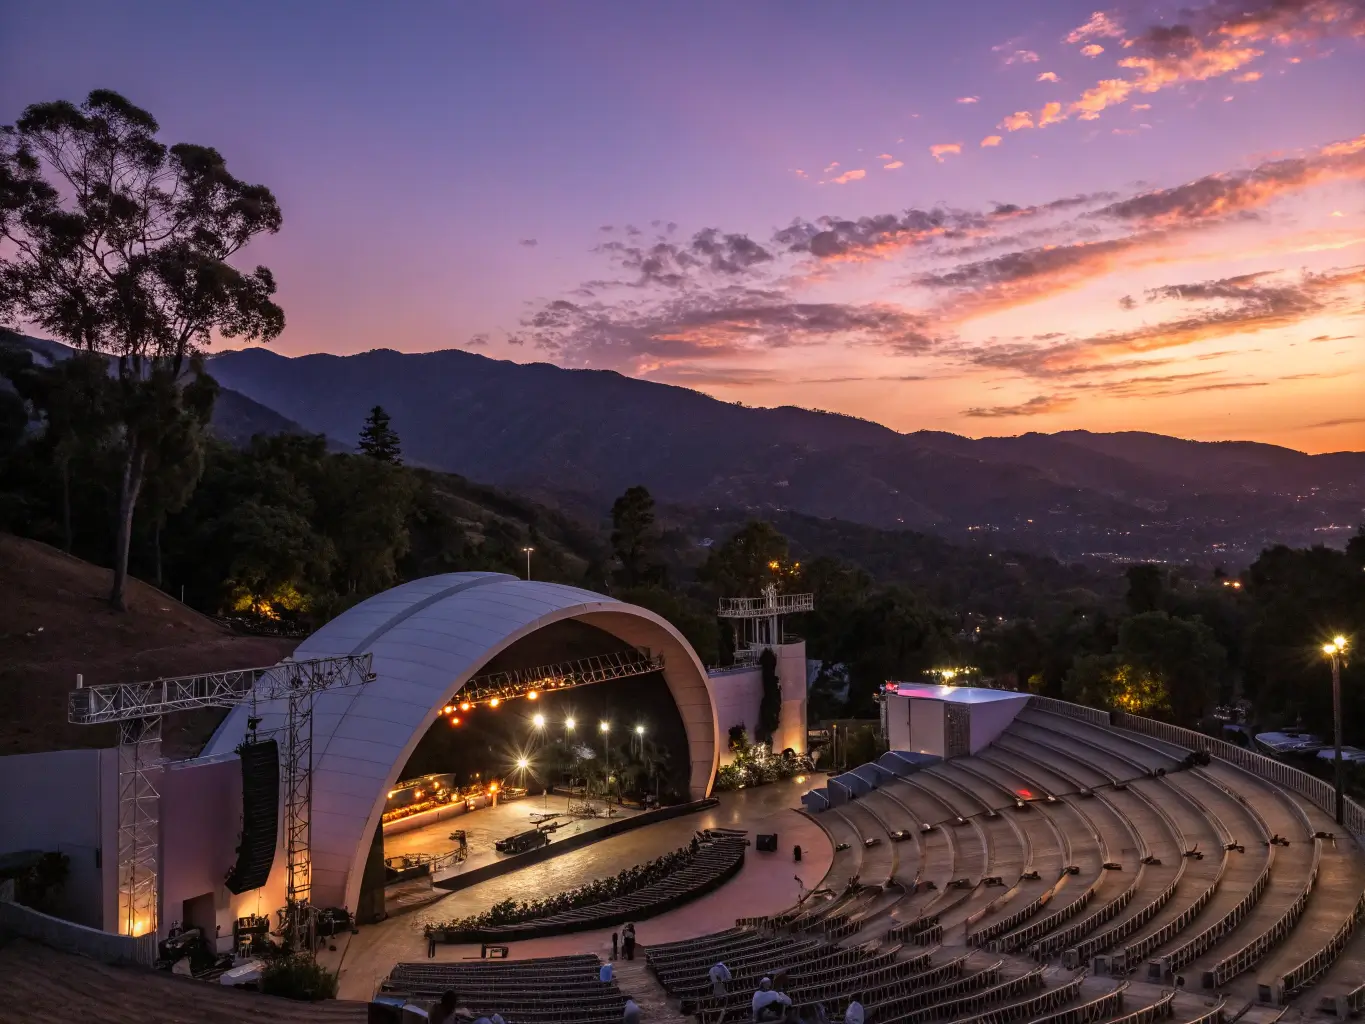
(454, 719)
(569, 724)
(492, 787)
(604, 726)
(532, 695)
(464, 705)
(523, 764)
(639, 730)
(538, 721)
(494, 702)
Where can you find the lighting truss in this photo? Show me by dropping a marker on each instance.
(137, 709)
(765, 607)
(598, 669)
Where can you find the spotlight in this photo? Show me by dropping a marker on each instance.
(454, 719)
(523, 764)
(494, 702)
(538, 721)
(604, 726)
(639, 730)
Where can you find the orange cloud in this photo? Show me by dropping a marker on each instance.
(1092, 50)
(1019, 119)
(942, 149)
(1250, 76)
(1100, 96)
(991, 140)
(848, 176)
(894, 165)
(1050, 114)
(832, 166)
(1048, 76)
(1099, 25)
(885, 156)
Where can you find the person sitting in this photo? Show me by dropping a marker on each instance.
(605, 974)
(768, 1004)
(854, 1014)
(631, 1014)
(443, 1010)
(720, 977)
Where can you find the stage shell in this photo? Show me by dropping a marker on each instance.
(428, 638)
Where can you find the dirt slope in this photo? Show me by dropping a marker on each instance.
(54, 623)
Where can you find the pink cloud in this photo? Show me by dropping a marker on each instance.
(969, 99)
(1047, 76)
(848, 176)
(893, 165)
(885, 156)
(991, 140)
(832, 166)
(1249, 76)
(1019, 119)
(942, 149)
(1050, 114)
(1103, 94)
(1100, 25)
(1092, 50)
(1022, 57)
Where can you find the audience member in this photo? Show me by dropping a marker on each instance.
(631, 1015)
(443, 1010)
(628, 940)
(854, 1014)
(720, 977)
(605, 974)
(768, 1004)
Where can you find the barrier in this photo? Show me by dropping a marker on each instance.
(1046, 947)
(1215, 1016)
(1206, 939)
(1298, 978)
(1079, 711)
(909, 1006)
(69, 937)
(1036, 1010)
(1231, 966)
(973, 1005)
(1018, 940)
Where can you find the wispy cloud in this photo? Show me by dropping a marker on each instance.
(528, 242)
(1022, 57)
(991, 140)
(942, 149)
(1092, 50)
(1036, 406)
(1100, 25)
(1048, 76)
(1018, 120)
(893, 165)
(849, 176)
(969, 99)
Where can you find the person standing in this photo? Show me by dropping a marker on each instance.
(770, 1005)
(614, 944)
(720, 978)
(443, 1010)
(628, 940)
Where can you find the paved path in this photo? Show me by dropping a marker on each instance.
(636, 981)
(765, 884)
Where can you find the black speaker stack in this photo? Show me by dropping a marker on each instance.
(260, 816)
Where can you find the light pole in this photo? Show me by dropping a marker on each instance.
(528, 561)
(640, 736)
(1334, 652)
(538, 720)
(604, 727)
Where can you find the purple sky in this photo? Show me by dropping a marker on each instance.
(785, 226)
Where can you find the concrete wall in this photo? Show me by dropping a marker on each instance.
(67, 801)
(897, 709)
(991, 718)
(738, 694)
(926, 726)
(201, 815)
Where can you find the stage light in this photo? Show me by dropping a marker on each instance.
(494, 702)
(538, 721)
(454, 719)
(417, 795)
(448, 709)
(464, 705)
(393, 793)
(531, 695)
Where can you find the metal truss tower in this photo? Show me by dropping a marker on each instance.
(137, 708)
(761, 619)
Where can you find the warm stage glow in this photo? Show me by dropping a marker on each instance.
(604, 726)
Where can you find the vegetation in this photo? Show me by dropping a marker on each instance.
(756, 765)
(298, 976)
(379, 440)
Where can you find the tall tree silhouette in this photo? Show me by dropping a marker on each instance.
(118, 243)
(633, 535)
(379, 440)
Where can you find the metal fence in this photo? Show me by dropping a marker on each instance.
(76, 938)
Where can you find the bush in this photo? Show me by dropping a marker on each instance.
(757, 765)
(299, 976)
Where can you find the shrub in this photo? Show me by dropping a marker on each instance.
(299, 976)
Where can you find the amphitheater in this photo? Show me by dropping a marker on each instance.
(1067, 865)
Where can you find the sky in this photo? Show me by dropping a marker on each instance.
(987, 217)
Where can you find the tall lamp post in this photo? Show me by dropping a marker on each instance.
(1334, 651)
(604, 727)
(539, 722)
(528, 561)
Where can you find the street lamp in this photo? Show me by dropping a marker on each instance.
(528, 561)
(1334, 652)
(538, 721)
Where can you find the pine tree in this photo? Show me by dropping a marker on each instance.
(378, 440)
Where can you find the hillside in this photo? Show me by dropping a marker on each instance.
(586, 435)
(56, 624)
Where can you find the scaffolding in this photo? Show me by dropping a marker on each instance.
(137, 709)
(760, 620)
(599, 668)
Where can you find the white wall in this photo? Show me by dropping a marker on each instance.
(926, 725)
(67, 801)
(991, 718)
(201, 811)
(898, 722)
(738, 694)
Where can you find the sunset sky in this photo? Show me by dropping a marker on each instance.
(979, 217)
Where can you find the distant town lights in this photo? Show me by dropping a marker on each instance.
(464, 705)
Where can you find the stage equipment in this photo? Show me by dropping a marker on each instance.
(600, 668)
(260, 813)
(137, 708)
(767, 842)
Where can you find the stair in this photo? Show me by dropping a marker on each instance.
(635, 980)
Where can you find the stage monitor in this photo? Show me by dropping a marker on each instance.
(767, 842)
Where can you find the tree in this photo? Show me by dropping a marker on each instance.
(1146, 585)
(118, 243)
(633, 536)
(770, 704)
(379, 440)
(754, 556)
(1182, 656)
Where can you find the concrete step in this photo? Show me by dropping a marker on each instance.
(635, 980)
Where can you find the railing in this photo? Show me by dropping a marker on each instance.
(762, 607)
(1210, 936)
(1231, 966)
(1308, 786)
(1102, 1008)
(1300, 977)
(76, 938)
(1079, 711)
(1046, 947)
(1215, 1016)
(1159, 1010)
(1017, 940)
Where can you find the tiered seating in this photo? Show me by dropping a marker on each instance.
(552, 990)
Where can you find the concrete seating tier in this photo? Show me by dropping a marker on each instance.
(553, 990)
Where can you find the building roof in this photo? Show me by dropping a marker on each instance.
(953, 694)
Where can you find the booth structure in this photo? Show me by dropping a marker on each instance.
(947, 721)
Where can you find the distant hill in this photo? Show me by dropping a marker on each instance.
(586, 435)
(54, 623)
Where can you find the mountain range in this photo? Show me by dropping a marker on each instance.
(581, 437)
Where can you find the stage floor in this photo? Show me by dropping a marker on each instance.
(487, 825)
(767, 883)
